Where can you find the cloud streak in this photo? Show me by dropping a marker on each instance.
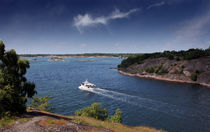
(156, 5)
(192, 33)
(82, 21)
(195, 28)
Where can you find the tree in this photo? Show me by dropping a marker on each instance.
(94, 111)
(41, 103)
(117, 117)
(14, 87)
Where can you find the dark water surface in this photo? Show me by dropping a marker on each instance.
(174, 107)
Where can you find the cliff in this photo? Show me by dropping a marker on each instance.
(189, 71)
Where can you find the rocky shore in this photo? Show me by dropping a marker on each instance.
(196, 71)
(162, 78)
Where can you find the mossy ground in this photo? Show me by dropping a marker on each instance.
(63, 120)
(117, 127)
(8, 121)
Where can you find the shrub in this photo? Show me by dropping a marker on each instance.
(194, 77)
(94, 111)
(170, 57)
(158, 69)
(150, 70)
(117, 117)
(41, 103)
(177, 59)
(183, 66)
(163, 71)
(178, 72)
(97, 112)
(197, 72)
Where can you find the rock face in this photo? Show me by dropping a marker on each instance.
(187, 73)
(193, 71)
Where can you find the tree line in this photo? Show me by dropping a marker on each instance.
(178, 55)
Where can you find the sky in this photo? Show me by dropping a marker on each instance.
(104, 26)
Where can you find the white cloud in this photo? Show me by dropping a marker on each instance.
(81, 21)
(117, 14)
(156, 5)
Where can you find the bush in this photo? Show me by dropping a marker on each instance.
(183, 66)
(170, 57)
(41, 103)
(14, 87)
(194, 77)
(177, 59)
(117, 117)
(158, 69)
(150, 70)
(197, 72)
(163, 71)
(94, 111)
(97, 112)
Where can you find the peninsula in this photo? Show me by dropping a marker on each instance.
(191, 66)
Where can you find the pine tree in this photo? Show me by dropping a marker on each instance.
(14, 87)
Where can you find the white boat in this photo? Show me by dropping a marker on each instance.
(87, 86)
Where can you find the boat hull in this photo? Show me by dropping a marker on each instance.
(85, 88)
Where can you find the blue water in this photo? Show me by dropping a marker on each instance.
(174, 107)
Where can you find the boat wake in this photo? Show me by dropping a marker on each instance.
(146, 103)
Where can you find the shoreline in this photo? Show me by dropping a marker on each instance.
(162, 79)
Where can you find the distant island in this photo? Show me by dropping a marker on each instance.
(55, 58)
(191, 66)
(89, 55)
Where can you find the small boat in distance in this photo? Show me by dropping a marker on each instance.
(87, 86)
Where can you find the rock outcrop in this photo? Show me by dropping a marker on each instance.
(189, 71)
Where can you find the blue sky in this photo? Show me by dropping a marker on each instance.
(105, 26)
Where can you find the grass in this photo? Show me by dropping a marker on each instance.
(50, 121)
(21, 120)
(117, 127)
(92, 130)
(7, 121)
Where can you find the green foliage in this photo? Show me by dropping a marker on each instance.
(163, 71)
(183, 66)
(14, 87)
(7, 120)
(197, 72)
(194, 77)
(41, 103)
(158, 69)
(97, 112)
(187, 55)
(177, 59)
(117, 117)
(150, 70)
(94, 111)
(131, 60)
(170, 57)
